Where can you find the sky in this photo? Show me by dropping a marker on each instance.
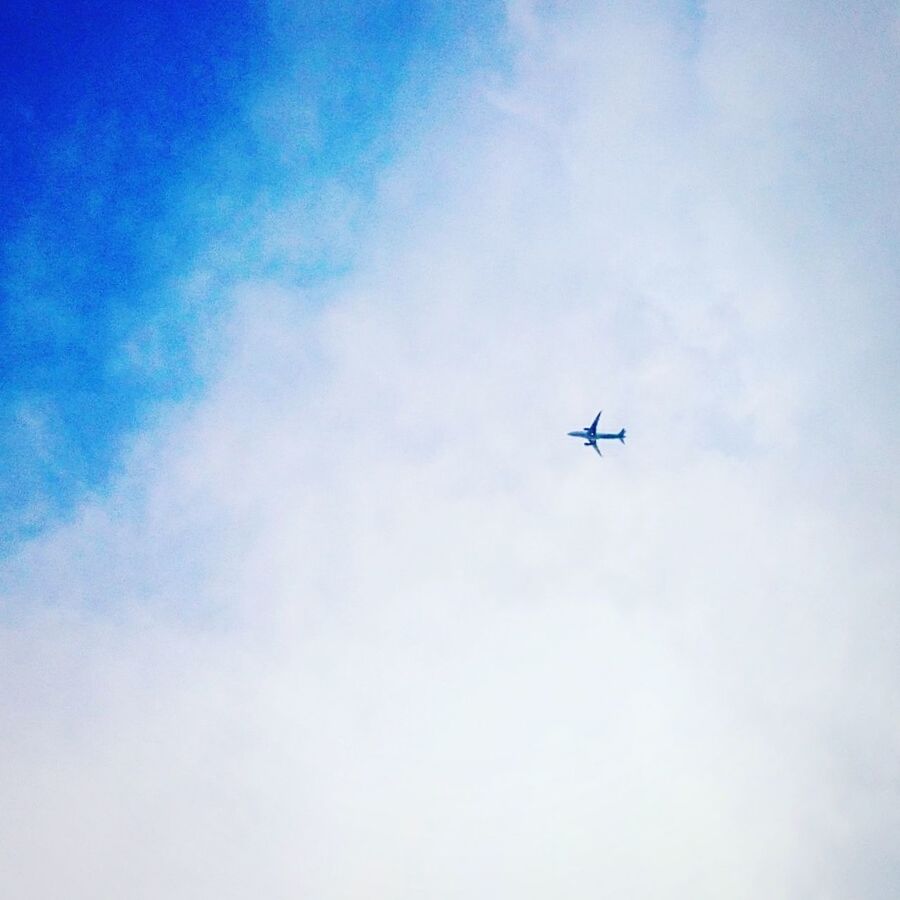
(305, 592)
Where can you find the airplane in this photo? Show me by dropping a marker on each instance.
(590, 436)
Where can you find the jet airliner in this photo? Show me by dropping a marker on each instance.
(590, 436)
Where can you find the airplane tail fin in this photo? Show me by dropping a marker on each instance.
(621, 435)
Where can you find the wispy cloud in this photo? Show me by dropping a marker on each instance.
(146, 145)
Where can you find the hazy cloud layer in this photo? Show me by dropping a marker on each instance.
(364, 623)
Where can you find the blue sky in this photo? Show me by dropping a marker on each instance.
(306, 593)
(105, 111)
(135, 135)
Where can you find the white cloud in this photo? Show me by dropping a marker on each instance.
(365, 623)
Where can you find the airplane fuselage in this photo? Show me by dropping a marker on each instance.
(587, 436)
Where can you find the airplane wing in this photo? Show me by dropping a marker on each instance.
(594, 445)
(593, 428)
